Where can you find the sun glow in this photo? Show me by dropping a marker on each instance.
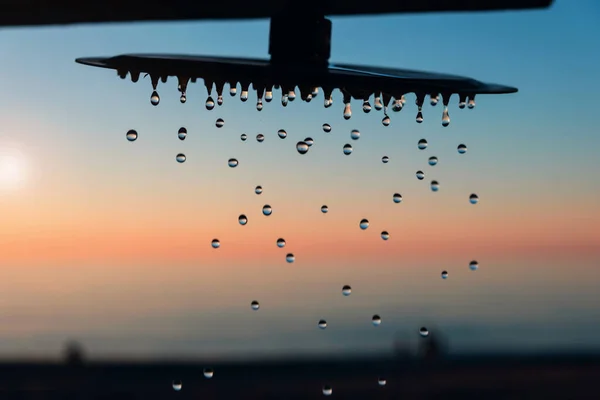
(13, 169)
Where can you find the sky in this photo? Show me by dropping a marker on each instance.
(109, 242)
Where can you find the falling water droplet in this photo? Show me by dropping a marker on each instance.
(419, 118)
(309, 141)
(422, 144)
(259, 105)
(462, 148)
(445, 117)
(220, 100)
(327, 390)
(364, 224)
(258, 190)
(473, 198)
(347, 149)
(282, 133)
(423, 332)
(154, 98)
(242, 219)
(322, 324)
(355, 134)
(474, 265)
(376, 320)
(326, 128)
(378, 105)
(385, 235)
(386, 121)
(432, 161)
(281, 243)
(182, 99)
(385, 159)
(444, 274)
(215, 243)
(244, 95)
(267, 210)
(397, 198)
(471, 103)
(180, 158)
(324, 209)
(233, 162)
(243, 137)
(420, 175)
(255, 305)
(131, 135)
(268, 96)
(435, 186)
(284, 100)
(347, 111)
(182, 133)
(381, 381)
(232, 91)
(290, 258)
(220, 122)
(208, 373)
(260, 138)
(302, 147)
(397, 106)
(346, 290)
(177, 385)
(366, 107)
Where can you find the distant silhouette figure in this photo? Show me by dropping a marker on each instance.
(73, 353)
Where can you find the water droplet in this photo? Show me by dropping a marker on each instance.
(435, 186)
(244, 137)
(474, 199)
(322, 324)
(255, 305)
(309, 141)
(324, 209)
(260, 138)
(281, 243)
(423, 332)
(182, 99)
(258, 190)
(378, 105)
(385, 159)
(314, 92)
(432, 161)
(131, 135)
(177, 385)
(385, 235)
(290, 258)
(182, 133)
(474, 265)
(422, 144)
(292, 95)
(462, 104)
(208, 373)
(434, 100)
(364, 224)
(444, 274)
(327, 390)
(154, 98)
(347, 149)
(244, 95)
(346, 290)
(376, 320)
(267, 210)
(215, 243)
(233, 162)
(381, 381)
(259, 105)
(366, 107)
(397, 106)
(282, 133)
(397, 198)
(220, 100)
(232, 91)
(181, 158)
(242, 219)
(445, 117)
(220, 123)
(462, 148)
(302, 147)
(471, 103)
(419, 118)
(268, 96)
(386, 121)
(355, 134)
(326, 128)
(284, 100)
(328, 102)
(347, 111)
(420, 175)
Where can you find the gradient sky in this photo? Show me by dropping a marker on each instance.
(108, 241)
